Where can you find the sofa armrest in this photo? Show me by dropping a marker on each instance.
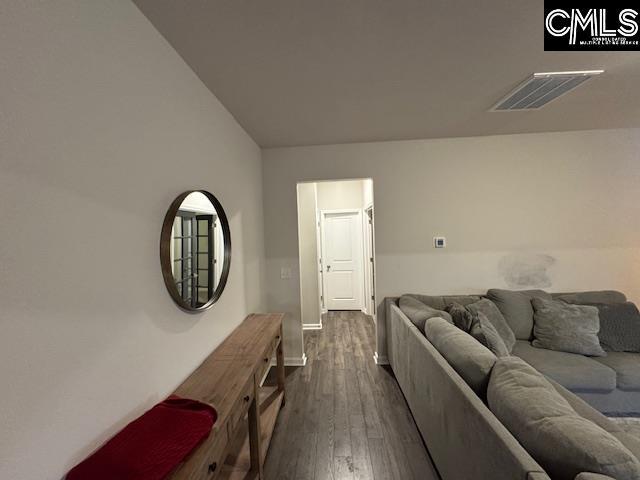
(451, 417)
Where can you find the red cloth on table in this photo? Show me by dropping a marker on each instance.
(151, 446)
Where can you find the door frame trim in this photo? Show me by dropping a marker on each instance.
(369, 260)
(360, 214)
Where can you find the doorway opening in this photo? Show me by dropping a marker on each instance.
(337, 249)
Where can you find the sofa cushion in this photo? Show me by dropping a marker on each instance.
(575, 372)
(418, 312)
(433, 301)
(564, 443)
(619, 326)
(602, 296)
(493, 314)
(627, 369)
(463, 300)
(585, 410)
(516, 308)
(467, 356)
(566, 328)
(439, 302)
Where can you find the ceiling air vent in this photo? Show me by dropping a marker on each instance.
(541, 88)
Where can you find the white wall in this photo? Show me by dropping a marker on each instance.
(102, 125)
(558, 211)
(367, 193)
(340, 195)
(307, 241)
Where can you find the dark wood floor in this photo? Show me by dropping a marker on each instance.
(345, 417)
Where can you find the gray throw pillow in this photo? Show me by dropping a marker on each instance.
(619, 326)
(566, 328)
(460, 316)
(561, 441)
(515, 306)
(484, 331)
(479, 327)
(468, 357)
(493, 314)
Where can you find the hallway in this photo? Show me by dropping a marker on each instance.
(345, 417)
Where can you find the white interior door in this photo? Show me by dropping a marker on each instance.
(342, 254)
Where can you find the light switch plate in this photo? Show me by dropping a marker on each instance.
(439, 242)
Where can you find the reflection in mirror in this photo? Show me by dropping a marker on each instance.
(196, 256)
(198, 250)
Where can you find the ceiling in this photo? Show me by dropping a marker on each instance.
(308, 72)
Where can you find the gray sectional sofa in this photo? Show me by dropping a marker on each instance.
(464, 437)
(610, 384)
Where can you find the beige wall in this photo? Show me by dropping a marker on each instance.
(558, 211)
(101, 126)
(307, 242)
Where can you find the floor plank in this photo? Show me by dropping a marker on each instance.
(345, 417)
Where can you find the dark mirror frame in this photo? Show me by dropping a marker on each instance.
(165, 251)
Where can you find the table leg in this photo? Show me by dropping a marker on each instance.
(280, 368)
(255, 447)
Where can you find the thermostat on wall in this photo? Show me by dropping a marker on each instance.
(439, 242)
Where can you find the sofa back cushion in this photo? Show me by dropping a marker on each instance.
(599, 296)
(561, 441)
(418, 312)
(440, 302)
(466, 355)
(516, 308)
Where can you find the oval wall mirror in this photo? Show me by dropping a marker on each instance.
(195, 250)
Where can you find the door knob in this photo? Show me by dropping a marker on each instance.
(328, 267)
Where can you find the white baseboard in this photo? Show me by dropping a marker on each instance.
(312, 326)
(380, 360)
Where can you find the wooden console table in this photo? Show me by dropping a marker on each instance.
(229, 380)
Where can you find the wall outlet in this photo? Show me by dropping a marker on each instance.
(439, 242)
(285, 273)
